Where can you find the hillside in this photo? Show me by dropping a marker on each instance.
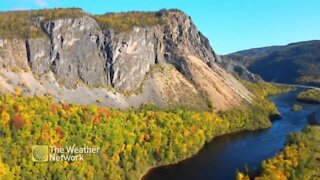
(120, 60)
(131, 141)
(294, 63)
(145, 88)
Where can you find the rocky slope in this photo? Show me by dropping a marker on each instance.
(80, 61)
(237, 68)
(294, 63)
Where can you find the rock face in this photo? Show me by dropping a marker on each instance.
(238, 69)
(13, 54)
(74, 52)
(77, 52)
(130, 57)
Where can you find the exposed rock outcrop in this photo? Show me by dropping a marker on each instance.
(78, 53)
(13, 54)
(74, 52)
(131, 56)
(237, 68)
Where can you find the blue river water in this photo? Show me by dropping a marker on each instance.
(223, 156)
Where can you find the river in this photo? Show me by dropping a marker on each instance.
(220, 159)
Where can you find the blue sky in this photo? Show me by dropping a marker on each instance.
(230, 25)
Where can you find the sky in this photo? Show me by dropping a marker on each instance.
(230, 25)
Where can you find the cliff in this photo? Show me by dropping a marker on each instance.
(83, 59)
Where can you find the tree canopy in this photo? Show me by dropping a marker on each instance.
(131, 141)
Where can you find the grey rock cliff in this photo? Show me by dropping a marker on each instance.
(181, 37)
(76, 52)
(13, 54)
(130, 56)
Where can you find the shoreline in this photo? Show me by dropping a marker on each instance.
(314, 118)
(149, 169)
(308, 101)
(272, 118)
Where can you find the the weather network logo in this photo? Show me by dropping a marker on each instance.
(40, 153)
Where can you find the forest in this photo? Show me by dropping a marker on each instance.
(309, 96)
(300, 159)
(131, 141)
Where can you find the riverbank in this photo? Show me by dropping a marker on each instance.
(131, 141)
(257, 116)
(218, 160)
(165, 165)
(252, 125)
(300, 159)
(314, 118)
(310, 96)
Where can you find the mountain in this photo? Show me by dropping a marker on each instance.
(293, 63)
(118, 59)
(238, 69)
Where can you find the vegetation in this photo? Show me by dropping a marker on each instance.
(315, 79)
(18, 24)
(124, 22)
(131, 141)
(257, 114)
(310, 96)
(300, 159)
(264, 89)
(296, 107)
(261, 90)
(291, 64)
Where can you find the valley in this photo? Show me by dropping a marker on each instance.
(224, 156)
(148, 90)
